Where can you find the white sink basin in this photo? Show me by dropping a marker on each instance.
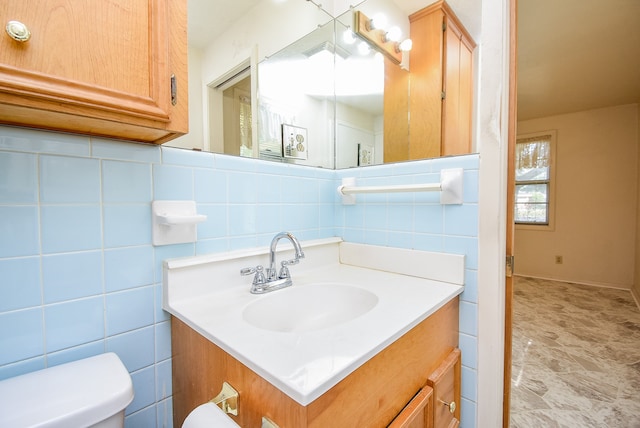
(347, 303)
(309, 307)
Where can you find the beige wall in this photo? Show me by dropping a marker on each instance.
(596, 212)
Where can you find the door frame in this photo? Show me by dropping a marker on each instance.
(511, 137)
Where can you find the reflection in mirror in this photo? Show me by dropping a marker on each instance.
(330, 84)
(234, 102)
(221, 45)
(295, 91)
(341, 108)
(359, 86)
(371, 88)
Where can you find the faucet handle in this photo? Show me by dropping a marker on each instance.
(247, 271)
(284, 270)
(258, 270)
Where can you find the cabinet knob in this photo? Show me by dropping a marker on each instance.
(18, 31)
(451, 406)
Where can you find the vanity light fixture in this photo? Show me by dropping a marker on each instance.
(385, 41)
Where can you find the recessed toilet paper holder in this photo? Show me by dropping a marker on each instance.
(228, 399)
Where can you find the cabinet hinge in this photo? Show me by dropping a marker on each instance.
(443, 95)
(174, 90)
(444, 26)
(509, 266)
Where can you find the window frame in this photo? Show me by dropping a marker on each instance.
(550, 225)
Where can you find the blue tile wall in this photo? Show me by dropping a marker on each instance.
(417, 220)
(79, 275)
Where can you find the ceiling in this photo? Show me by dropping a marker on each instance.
(576, 55)
(208, 18)
(573, 55)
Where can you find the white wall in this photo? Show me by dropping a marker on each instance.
(354, 126)
(595, 203)
(195, 137)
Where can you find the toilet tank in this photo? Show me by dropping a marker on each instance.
(89, 392)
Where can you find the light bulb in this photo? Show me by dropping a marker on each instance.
(406, 45)
(363, 48)
(393, 35)
(379, 21)
(348, 36)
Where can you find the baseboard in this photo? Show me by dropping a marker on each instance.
(592, 284)
(636, 296)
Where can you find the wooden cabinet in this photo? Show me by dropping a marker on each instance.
(97, 67)
(437, 405)
(445, 382)
(371, 396)
(396, 112)
(418, 413)
(441, 88)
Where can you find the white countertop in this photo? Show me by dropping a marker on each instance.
(304, 365)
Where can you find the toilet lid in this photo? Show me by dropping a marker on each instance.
(208, 415)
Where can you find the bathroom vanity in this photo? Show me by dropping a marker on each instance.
(389, 354)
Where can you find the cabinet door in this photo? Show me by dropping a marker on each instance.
(418, 413)
(425, 99)
(98, 67)
(396, 112)
(445, 382)
(457, 87)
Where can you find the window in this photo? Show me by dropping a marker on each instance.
(533, 176)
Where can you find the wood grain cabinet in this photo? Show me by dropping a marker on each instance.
(391, 387)
(113, 68)
(437, 405)
(445, 382)
(418, 413)
(441, 90)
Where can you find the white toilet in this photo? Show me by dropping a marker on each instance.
(208, 415)
(92, 392)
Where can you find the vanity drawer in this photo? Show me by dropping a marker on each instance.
(418, 413)
(445, 381)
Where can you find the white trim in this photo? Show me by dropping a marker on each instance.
(569, 281)
(492, 131)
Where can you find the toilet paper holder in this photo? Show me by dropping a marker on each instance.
(228, 399)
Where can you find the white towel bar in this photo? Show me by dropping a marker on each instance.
(450, 188)
(350, 190)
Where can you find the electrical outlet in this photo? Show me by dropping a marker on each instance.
(558, 260)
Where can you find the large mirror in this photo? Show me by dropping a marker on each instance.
(289, 82)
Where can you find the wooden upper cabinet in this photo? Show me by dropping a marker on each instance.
(97, 67)
(441, 94)
(457, 90)
(396, 112)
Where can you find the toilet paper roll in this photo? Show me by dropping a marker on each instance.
(208, 415)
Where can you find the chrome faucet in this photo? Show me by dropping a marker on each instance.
(271, 280)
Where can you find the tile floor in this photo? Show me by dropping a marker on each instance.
(576, 356)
